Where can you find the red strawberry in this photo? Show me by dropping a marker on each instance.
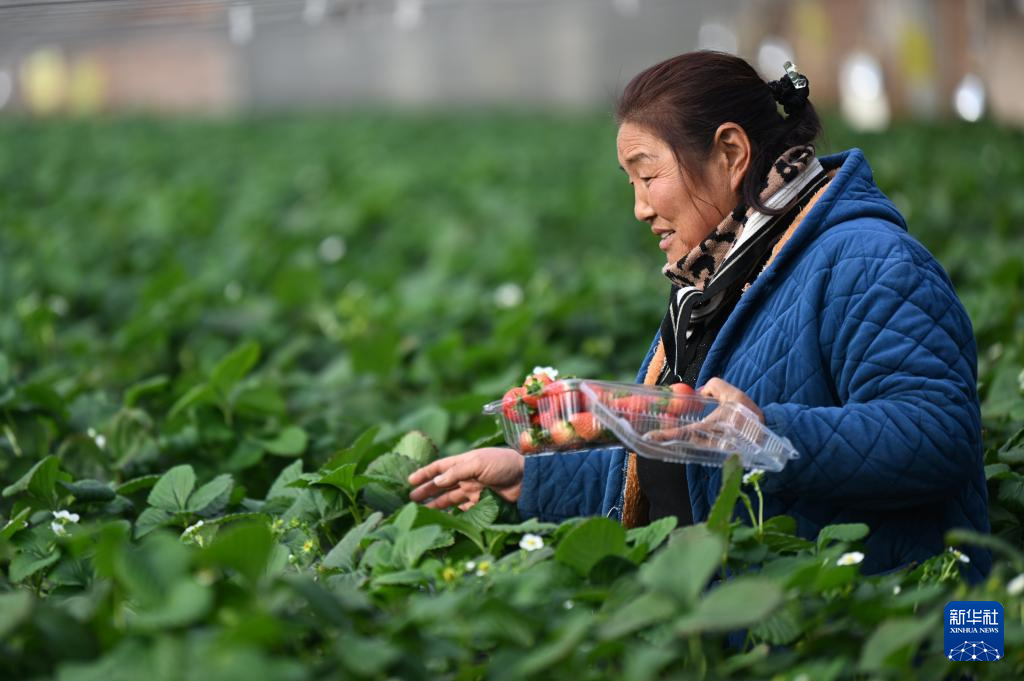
(681, 403)
(556, 388)
(548, 418)
(511, 405)
(532, 389)
(586, 425)
(632, 404)
(527, 444)
(562, 434)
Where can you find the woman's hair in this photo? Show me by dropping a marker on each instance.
(684, 99)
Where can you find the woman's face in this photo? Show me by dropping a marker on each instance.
(681, 209)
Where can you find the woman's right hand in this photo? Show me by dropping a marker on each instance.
(458, 480)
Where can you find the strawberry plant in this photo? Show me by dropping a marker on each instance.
(227, 343)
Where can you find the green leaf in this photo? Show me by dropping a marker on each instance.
(186, 602)
(145, 387)
(289, 442)
(31, 561)
(16, 524)
(589, 542)
(412, 544)
(433, 516)
(195, 396)
(418, 447)
(738, 602)
(244, 547)
(354, 453)
(722, 511)
(682, 568)
(172, 490)
(650, 608)
(894, 642)
(89, 490)
(782, 627)
(343, 555)
(260, 400)
(39, 481)
(389, 498)
(403, 521)
(843, 532)
(654, 534)
(995, 544)
(288, 475)
(15, 608)
(432, 420)
(234, 367)
(482, 513)
(211, 497)
(136, 484)
(149, 520)
(342, 477)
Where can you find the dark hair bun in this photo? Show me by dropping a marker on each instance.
(793, 99)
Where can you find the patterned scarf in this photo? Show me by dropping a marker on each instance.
(703, 278)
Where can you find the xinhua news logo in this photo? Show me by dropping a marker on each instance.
(974, 631)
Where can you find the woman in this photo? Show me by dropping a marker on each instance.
(796, 291)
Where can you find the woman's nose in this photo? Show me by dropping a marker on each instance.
(641, 206)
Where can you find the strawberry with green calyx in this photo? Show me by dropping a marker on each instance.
(586, 426)
(527, 443)
(532, 390)
(563, 434)
(512, 405)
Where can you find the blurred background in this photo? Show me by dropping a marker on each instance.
(408, 204)
(871, 59)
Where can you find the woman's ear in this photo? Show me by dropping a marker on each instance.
(732, 147)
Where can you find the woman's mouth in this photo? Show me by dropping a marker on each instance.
(666, 239)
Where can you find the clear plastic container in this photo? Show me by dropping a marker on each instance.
(557, 419)
(650, 420)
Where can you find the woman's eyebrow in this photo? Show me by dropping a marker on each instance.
(639, 156)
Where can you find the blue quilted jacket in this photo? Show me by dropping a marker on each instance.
(855, 347)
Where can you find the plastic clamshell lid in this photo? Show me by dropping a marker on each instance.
(696, 429)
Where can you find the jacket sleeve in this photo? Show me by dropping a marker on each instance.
(560, 486)
(587, 482)
(900, 354)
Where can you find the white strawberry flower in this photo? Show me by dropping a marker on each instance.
(98, 438)
(192, 533)
(1016, 585)
(58, 528)
(531, 542)
(508, 295)
(959, 555)
(470, 565)
(850, 558)
(66, 517)
(551, 372)
(754, 475)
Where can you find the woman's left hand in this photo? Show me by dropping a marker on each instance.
(726, 392)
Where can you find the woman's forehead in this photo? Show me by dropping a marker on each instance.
(636, 145)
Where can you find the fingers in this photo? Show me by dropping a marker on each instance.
(453, 498)
(722, 391)
(432, 470)
(463, 496)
